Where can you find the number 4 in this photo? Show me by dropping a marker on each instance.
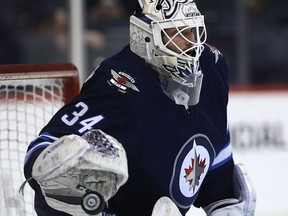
(88, 123)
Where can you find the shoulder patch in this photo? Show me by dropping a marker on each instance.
(123, 81)
(215, 51)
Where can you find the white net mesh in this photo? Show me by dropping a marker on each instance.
(25, 107)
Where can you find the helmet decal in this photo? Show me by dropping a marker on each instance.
(169, 8)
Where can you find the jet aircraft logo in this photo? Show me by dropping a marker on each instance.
(123, 81)
(194, 171)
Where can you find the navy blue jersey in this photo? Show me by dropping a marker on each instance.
(171, 150)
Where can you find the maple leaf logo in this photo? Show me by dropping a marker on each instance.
(121, 80)
(194, 171)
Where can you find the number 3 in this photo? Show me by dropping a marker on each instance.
(84, 109)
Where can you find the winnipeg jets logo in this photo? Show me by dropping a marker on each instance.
(195, 170)
(190, 168)
(123, 81)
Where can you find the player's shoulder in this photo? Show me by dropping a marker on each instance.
(123, 60)
(212, 59)
(212, 53)
(119, 70)
(213, 64)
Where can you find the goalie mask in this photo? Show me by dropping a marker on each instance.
(169, 35)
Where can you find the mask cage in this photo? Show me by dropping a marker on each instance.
(193, 49)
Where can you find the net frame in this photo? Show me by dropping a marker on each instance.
(30, 94)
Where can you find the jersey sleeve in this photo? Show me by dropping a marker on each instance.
(96, 107)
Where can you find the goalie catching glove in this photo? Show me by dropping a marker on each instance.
(78, 175)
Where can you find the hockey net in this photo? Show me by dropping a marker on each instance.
(29, 96)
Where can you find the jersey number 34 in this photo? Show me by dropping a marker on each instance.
(86, 123)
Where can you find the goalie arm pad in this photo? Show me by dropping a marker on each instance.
(245, 201)
(73, 166)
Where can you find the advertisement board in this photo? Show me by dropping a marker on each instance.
(258, 121)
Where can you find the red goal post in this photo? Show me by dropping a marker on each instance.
(30, 94)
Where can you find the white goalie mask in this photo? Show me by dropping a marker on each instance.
(178, 64)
